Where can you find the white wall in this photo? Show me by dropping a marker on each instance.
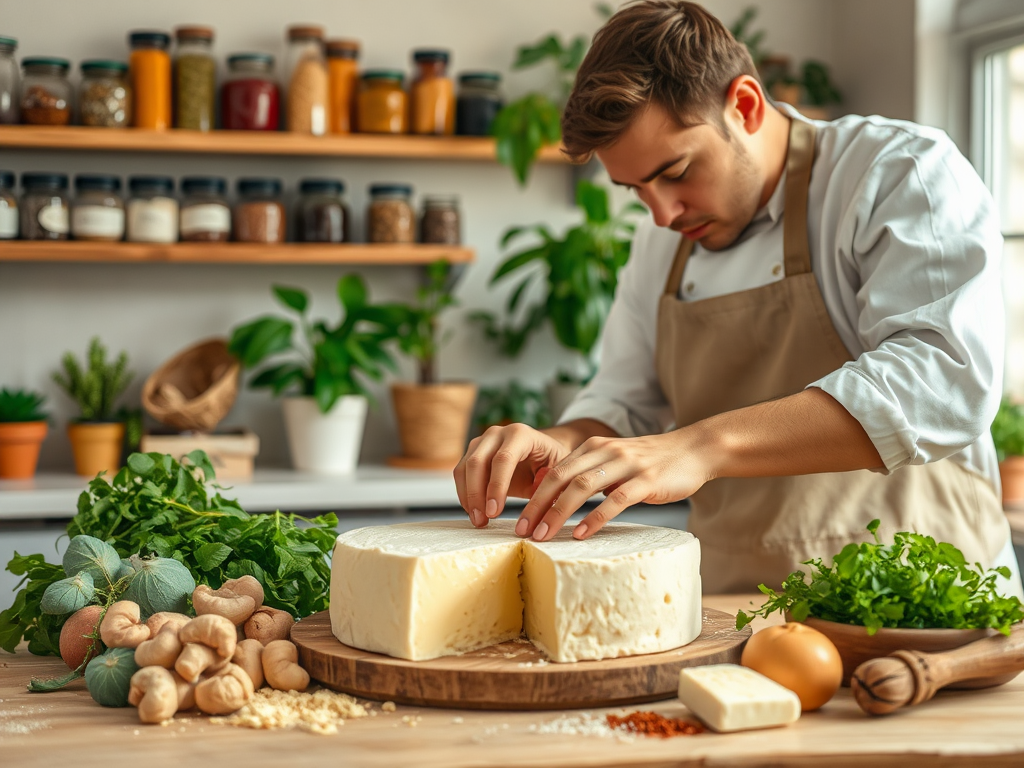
(154, 310)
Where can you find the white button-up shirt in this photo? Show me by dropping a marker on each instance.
(906, 249)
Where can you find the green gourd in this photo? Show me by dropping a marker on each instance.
(160, 584)
(125, 570)
(93, 556)
(108, 677)
(68, 595)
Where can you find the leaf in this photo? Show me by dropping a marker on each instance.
(352, 292)
(210, 556)
(594, 202)
(293, 298)
(254, 342)
(37, 685)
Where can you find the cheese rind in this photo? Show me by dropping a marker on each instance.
(728, 697)
(423, 590)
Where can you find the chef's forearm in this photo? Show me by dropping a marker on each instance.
(802, 434)
(572, 433)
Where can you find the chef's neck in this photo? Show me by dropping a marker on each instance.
(771, 146)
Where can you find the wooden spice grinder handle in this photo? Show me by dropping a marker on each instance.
(906, 678)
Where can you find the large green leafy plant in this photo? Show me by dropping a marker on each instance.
(1008, 429)
(512, 403)
(96, 384)
(20, 405)
(327, 362)
(419, 335)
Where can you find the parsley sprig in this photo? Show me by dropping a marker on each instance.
(913, 582)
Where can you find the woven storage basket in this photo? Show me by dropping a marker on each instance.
(195, 389)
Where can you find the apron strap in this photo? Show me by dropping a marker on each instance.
(675, 275)
(799, 162)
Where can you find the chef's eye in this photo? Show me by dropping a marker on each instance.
(680, 176)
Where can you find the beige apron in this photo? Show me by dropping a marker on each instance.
(732, 351)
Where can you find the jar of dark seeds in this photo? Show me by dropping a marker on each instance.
(8, 207)
(44, 206)
(440, 220)
(97, 212)
(205, 214)
(259, 214)
(390, 218)
(45, 91)
(321, 215)
(104, 98)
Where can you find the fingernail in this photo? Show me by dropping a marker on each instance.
(476, 516)
(492, 508)
(580, 531)
(540, 532)
(522, 526)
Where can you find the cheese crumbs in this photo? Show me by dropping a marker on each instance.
(321, 712)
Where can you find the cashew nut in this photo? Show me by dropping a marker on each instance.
(161, 650)
(246, 585)
(233, 606)
(121, 626)
(269, 624)
(186, 692)
(154, 692)
(211, 630)
(281, 667)
(195, 659)
(225, 692)
(248, 655)
(158, 621)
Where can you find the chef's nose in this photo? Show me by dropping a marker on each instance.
(664, 207)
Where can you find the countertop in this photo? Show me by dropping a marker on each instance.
(980, 728)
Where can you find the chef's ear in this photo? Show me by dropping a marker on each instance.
(745, 104)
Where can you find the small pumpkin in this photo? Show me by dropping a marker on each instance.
(108, 677)
(93, 556)
(125, 570)
(160, 584)
(68, 595)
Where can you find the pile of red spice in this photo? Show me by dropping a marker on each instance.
(653, 724)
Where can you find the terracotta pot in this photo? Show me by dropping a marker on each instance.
(433, 421)
(19, 448)
(97, 447)
(1011, 475)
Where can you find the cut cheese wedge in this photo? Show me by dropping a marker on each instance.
(728, 697)
(424, 590)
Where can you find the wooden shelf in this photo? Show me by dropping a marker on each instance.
(230, 253)
(82, 138)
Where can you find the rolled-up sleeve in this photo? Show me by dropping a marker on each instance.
(922, 235)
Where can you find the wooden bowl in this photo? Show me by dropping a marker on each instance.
(856, 646)
(195, 389)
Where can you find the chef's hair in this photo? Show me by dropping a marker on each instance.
(667, 52)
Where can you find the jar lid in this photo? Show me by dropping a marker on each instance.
(430, 54)
(259, 186)
(151, 184)
(384, 74)
(329, 186)
(343, 49)
(104, 65)
(255, 58)
(305, 32)
(390, 189)
(194, 32)
(8, 41)
(149, 39)
(489, 77)
(97, 181)
(440, 201)
(212, 184)
(45, 61)
(54, 180)
(6, 179)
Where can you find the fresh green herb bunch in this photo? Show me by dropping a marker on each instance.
(915, 582)
(330, 359)
(1008, 429)
(158, 506)
(418, 336)
(512, 403)
(17, 405)
(96, 385)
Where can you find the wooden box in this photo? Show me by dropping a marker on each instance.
(231, 452)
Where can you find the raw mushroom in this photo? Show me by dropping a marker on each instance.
(225, 692)
(211, 630)
(154, 692)
(186, 692)
(269, 624)
(233, 606)
(161, 650)
(281, 667)
(195, 659)
(246, 585)
(248, 655)
(121, 626)
(158, 621)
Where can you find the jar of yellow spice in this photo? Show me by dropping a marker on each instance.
(307, 80)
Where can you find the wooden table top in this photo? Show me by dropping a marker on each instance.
(67, 728)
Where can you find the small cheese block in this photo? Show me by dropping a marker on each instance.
(728, 697)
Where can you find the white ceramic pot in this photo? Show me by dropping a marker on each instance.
(326, 443)
(560, 394)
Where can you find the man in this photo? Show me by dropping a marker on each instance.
(813, 313)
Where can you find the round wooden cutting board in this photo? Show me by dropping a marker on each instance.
(511, 675)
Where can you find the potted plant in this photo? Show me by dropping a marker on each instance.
(433, 416)
(98, 433)
(580, 271)
(325, 410)
(1008, 436)
(23, 428)
(512, 403)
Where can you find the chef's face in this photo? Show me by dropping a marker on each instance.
(702, 181)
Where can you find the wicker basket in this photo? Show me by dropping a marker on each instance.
(195, 389)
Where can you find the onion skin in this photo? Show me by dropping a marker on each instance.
(798, 658)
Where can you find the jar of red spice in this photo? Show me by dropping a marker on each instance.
(250, 97)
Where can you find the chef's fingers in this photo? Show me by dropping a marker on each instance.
(564, 490)
(519, 442)
(470, 479)
(619, 497)
(582, 487)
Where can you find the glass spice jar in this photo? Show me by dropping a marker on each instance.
(8, 207)
(150, 67)
(343, 80)
(45, 91)
(307, 81)
(479, 101)
(440, 220)
(205, 215)
(259, 215)
(104, 97)
(97, 212)
(321, 215)
(390, 218)
(250, 98)
(382, 104)
(432, 95)
(44, 206)
(9, 82)
(152, 210)
(195, 79)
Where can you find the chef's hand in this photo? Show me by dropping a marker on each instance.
(503, 462)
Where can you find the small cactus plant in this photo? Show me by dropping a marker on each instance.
(96, 385)
(21, 405)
